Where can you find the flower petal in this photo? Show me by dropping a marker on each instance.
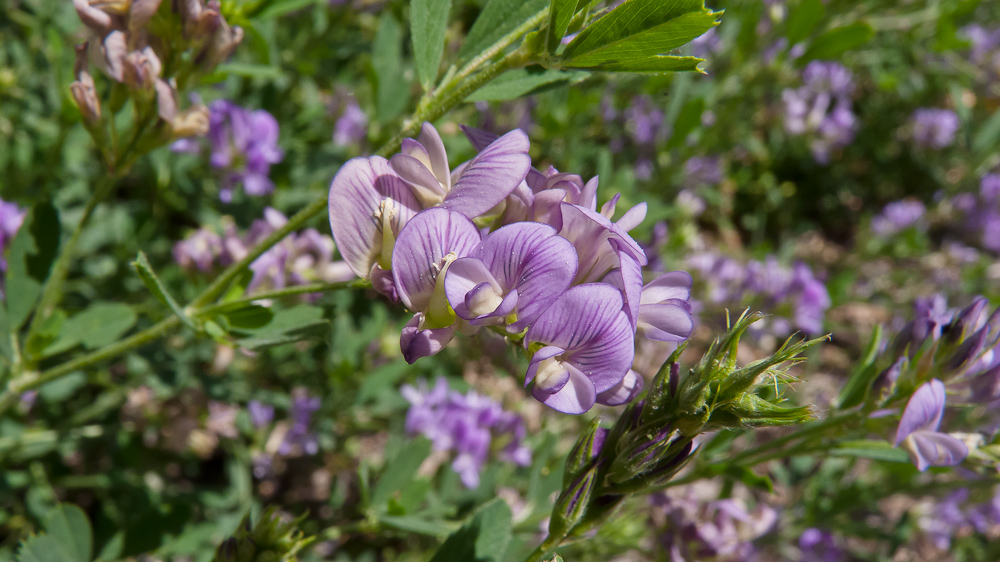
(542, 354)
(575, 397)
(419, 254)
(416, 343)
(930, 448)
(623, 392)
(924, 410)
(463, 276)
(491, 176)
(672, 285)
(431, 141)
(531, 259)
(666, 321)
(356, 193)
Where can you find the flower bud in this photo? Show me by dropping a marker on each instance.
(141, 12)
(192, 122)
(85, 97)
(967, 352)
(222, 44)
(572, 503)
(585, 450)
(985, 387)
(140, 69)
(966, 321)
(113, 51)
(885, 382)
(97, 20)
(166, 100)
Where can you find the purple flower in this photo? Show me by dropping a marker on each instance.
(299, 436)
(989, 188)
(819, 546)
(199, 250)
(812, 302)
(426, 247)
(703, 170)
(466, 424)
(473, 188)
(587, 348)
(918, 434)
(11, 219)
(821, 109)
(934, 128)
(898, 216)
(643, 120)
(351, 126)
(512, 276)
(664, 308)
(261, 414)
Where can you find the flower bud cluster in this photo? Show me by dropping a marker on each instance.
(653, 438)
(497, 244)
(299, 259)
(467, 424)
(135, 41)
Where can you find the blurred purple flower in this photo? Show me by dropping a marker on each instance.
(261, 414)
(703, 170)
(11, 219)
(199, 250)
(899, 216)
(821, 109)
(717, 530)
(918, 430)
(244, 145)
(643, 120)
(352, 125)
(467, 424)
(934, 128)
(819, 546)
(299, 436)
(989, 188)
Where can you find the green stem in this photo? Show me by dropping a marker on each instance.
(547, 547)
(52, 292)
(277, 294)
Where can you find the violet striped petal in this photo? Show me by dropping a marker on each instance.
(576, 396)
(428, 243)
(589, 232)
(630, 273)
(430, 140)
(531, 259)
(362, 190)
(623, 392)
(480, 139)
(491, 176)
(666, 321)
(924, 410)
(426, 187)
(632, 217)
(672, 285)
(588, 322)
(416, 343)
(930, 448)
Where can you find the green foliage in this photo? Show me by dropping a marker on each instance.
(482, 538)
(29, 259)
(387, 64)
(498, 18)
(637, 35)
(428, 23)
(67, 538)
(271, 539)
(520, 82)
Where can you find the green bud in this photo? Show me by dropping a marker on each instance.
(572, 503)
(584, 451)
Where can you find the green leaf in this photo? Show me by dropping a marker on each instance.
(655, 64)
(988, 135)
(870, 449)
(838, 41)
(638, 30)
(246, 70)
(155, 286)
(387, 62)
(804, 17)
(863, 373)
(287, 326)
(498, 18)
(400, 470)
(482, 538)
(417, 524)
(428, 23)
(68, 538)
(751, 479)
(522, 81)
(252, 317)
(561, 13)
(29, 259)
(281, 7)
(99, 325)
